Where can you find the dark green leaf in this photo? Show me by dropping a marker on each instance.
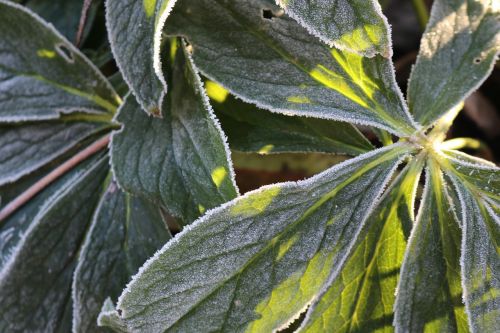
(135, 31)
(457, 53)
(42, 75)
(125, 232)
(250, 129)
(279, 66)
(181, 160)
(35, 283)
(255, 262)
(26, 147)
(355, 25)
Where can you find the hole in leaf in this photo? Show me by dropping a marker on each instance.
(267, 14)
(65, 52)
(477, 60)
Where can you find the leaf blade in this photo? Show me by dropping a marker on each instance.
(356, 26)
(144, 75)
(361, 298)
(125, 231)
(290, 211)
(60, 78)
(250, 129)
(46, 256)
(461, 43)
(429, 288)
(291, 75)
(191, 170)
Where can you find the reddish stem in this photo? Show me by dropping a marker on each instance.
(83, 21)
(36, 188)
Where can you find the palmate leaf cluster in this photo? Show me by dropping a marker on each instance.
(88, 175)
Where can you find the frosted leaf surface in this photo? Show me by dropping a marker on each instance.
(354, 25)
(182, 160)
(478, 196)
(361, 298)
(251, 129)
(429, 288)
(42, 75)
(125, 232)
(276, 64)
(135, 32)
(29, 146)
(35, 283)
(457, 53)
(255, 262)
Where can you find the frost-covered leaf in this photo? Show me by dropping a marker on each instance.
(457, 53)
(125, 232)
(25, 147)
(429, 295)
(276, 64)
(354, 25)
(43, 75)
(361, 299)
(181, 160)
(35, 283)
(478, 191)
(64, 14)
(250, 129)
(109, 318)
(255, 262)
(135, 30)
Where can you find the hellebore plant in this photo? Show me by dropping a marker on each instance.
(87, 175)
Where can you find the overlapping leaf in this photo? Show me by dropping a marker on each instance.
(25, 147)
(44, 75)
(477, 186)
(255, 262)
(180, 161)
(277, 64)
(250, 129)
(361, 299)
(357, 26)
(457, 53)
(135, 31)
(35, 283)
(429, 290)
(125, 232)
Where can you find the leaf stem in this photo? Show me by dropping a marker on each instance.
(83, 21)
(40, 185)
(422, 12)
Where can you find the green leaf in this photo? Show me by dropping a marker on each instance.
(182, 160)
(135, 31)
(429, 289)
(279, 66)
(255, 262)
(28, 146)
(478, 187)
(250, 129)
(64, 14)
(457, 53)
(361, 299)
(357, 26)
(125, 232)
(109, 317)
(42, 75)
(35, 283)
